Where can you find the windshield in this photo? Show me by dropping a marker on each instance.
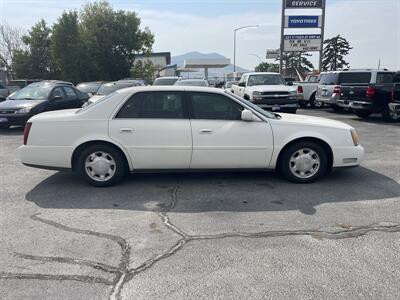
(253, 106)
(106, 89)
(191, 83)
(165, 81)
(32, 92)
(88, 87)
(265, 79)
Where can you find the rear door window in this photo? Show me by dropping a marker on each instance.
(354, 77)
(329, 79)
(384, 78)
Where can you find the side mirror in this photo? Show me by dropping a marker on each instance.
(247, 115)
(290, 83)
(242, 84)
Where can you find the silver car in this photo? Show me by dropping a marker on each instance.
(328, 91)
(4, 92)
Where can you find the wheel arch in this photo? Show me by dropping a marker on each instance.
(327, 148)
(79, 148)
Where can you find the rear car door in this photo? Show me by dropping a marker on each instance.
(221, 139)
(155, 129)
(72, 98)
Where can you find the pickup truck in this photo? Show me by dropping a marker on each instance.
(267, 90)
(370, 92)
(394, 104)
(306, 91)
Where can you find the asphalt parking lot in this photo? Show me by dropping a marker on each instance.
(204, 235)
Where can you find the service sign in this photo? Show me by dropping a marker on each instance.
(303, 43)
(302, 21)
(303, 3)
(272, 54)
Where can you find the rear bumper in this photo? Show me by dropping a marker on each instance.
(362, 105)
(44, 157)
(347, 156)
(330, 101)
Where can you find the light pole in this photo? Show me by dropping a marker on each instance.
(234, 43)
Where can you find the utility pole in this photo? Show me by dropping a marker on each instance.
(321, 52)
(282, 41)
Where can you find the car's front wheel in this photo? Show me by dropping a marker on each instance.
(303, 162)
(101, 165)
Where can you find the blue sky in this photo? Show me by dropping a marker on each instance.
(372, 26)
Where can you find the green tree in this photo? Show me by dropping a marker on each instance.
(294, 62)
(335, 49)
(145, 70)
(267, 67)
(111, 39)
(35, 62)
(67, 49)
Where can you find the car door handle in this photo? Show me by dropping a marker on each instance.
(126, 130)
(202, 131)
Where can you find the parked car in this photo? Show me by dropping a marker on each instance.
(228, 85)
(189, 128)
(306, 91)
(39, 97)
(110, 87)
(17, 84)
(366, 92)
(167, 80)
(4, 92)
(394, 104)
(328, 89)
(267, 90)
(89, 88)
(191, 82)
(289, 80)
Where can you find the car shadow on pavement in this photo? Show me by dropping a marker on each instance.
(206, 192)
(12, 131)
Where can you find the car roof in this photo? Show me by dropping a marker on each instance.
(261, 73)
(177, 88)
(50, 83)
(192, 79)
(91, 82)
(168, 77)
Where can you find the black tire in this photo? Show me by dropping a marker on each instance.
(246, 97)
(291, 111)
(389, 116)
(303, 103)
(119, 169)
(314, 103)
(284, 164)
(362, 113)
(337, 108)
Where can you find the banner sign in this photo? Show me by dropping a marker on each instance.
(303, 43)
(272, 54)
(302, 21)
(303, 3)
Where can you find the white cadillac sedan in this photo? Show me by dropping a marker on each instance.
(185, 128)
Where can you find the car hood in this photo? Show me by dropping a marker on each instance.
(296, 119)
(18, 104)
(272, 88)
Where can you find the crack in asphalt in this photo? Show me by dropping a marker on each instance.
(123, 274)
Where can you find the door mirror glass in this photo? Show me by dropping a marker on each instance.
(242, 84)
(247, 115)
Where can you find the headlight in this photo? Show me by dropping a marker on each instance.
(257, 93)
(354, 136)
(24, 110)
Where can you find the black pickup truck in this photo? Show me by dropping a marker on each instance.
(370, 93)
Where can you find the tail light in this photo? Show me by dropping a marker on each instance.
(300, 89)
(370, 92)
(337, 90)
(26, 132)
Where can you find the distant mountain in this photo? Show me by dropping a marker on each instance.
(179, 60)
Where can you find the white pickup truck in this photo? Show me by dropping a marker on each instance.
(267, 90)
(306, 91)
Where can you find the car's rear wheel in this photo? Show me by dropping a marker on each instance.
(101, 165)
(303, 162)
(303, 103)
(337, 108)
(314, 103)
(389, 115)
(362, 113)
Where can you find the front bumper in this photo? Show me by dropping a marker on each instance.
(278, 107)
(14, 119)
(347, 156)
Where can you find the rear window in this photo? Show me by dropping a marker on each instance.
(354, 77)
(329, 79)
(384, 77)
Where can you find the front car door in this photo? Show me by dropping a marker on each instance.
(221, 139)
(57, 99)
(155, 129)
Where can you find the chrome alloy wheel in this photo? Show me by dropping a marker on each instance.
(100, 166)
(304, 163)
